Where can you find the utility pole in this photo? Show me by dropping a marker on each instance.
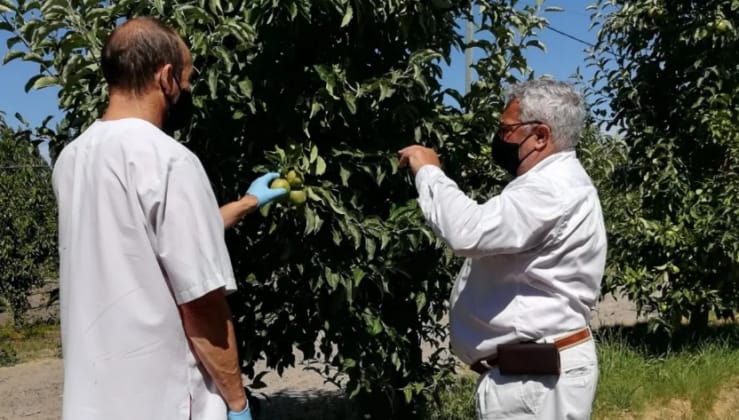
(468, 53)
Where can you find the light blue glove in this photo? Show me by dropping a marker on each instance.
(260, 189)
(241, 415)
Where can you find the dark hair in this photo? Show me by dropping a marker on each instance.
(137, 49)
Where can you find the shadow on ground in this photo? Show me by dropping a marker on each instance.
(313, 405)
(660, 342)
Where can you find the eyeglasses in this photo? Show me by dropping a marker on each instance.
(504, 129)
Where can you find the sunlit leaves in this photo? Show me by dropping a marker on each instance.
(669, 71)
(27, 217)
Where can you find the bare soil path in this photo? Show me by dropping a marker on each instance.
(33, 390)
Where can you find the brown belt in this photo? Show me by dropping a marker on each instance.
(577, 337)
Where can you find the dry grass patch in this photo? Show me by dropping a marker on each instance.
(30, 342)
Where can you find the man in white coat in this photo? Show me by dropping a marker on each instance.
(520, 307)
(144, 270)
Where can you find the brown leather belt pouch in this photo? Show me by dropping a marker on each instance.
(528, 359)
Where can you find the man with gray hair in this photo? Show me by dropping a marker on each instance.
(520, 307)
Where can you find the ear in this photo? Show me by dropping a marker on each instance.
(166, 79)
(543, 135)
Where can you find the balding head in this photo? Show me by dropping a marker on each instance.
(137, 50)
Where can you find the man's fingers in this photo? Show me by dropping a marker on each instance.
(405, 155)
(404, 150)
(409, 149)
(270, 176)
(403, 162)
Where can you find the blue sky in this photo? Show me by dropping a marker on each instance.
(563, 55)
(561, 60)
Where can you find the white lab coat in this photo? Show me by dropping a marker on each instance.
(140, 232)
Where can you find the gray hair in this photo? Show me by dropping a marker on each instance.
(555, 103)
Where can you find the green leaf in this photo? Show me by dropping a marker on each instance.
(32, 81)
(420, 301)
(327, 75)
(293, 8)
(215, 7)
(213, 84)
(35, 57)
(408, 393)
(354, 232)
(395, 360)
(12, 55)
(348, 15)
(11, 41)
(350, 101)
(344, 174)
(310, 220)
(370, 247)
(336, 207)
(385, 90)
(374, 325)
(8, 4)
(44, 81)
(20, 118)
(313, 196)
(336, 236)
(332, 279)
(315, 107)
(264, 210)
(245, 87)
(159, 6)
(320, 166)
(384, 239)
(358, 275)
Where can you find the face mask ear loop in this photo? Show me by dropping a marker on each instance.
(527, 154)
(179, 88)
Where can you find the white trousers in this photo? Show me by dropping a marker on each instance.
(568, 396)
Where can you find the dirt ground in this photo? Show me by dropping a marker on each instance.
(726, 407)
(33, 390)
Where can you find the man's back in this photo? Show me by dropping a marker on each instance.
(551, 280)
(129, 197)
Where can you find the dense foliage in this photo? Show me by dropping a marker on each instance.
(670, 72)
(28, 253)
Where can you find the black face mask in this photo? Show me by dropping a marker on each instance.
(506, 154)
(179, 113)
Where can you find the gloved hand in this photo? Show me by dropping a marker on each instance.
(260, 189)
(245, 414)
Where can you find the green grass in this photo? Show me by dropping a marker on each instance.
(33, 341)
(638, 372)
(457, 402)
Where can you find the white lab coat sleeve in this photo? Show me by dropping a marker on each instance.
(516, 220)
(190, 235)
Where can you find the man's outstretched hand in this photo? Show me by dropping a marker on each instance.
(418, 156)
(260, 189)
